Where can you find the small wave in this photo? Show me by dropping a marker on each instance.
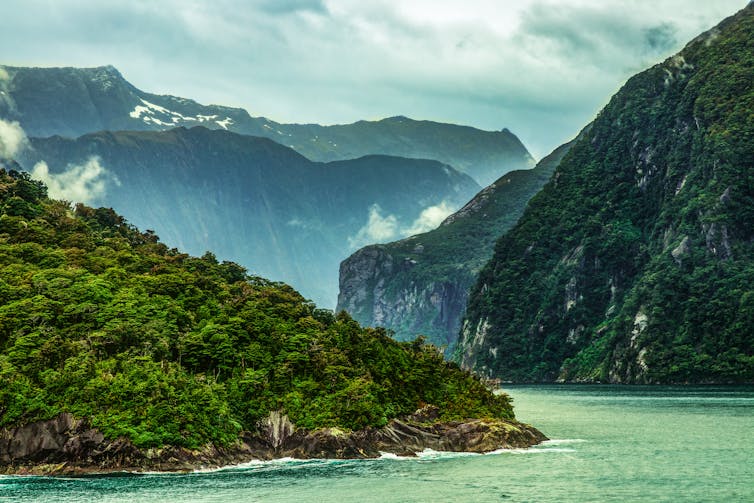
(395, 457)
(548, 446)
(562, 441)
(534, 451)
(432, 454)
(426, 455)
(256, 464)
(240, 466)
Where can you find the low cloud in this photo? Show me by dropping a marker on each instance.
(12, 139)
(378, 229)
(85, 183)
(384, 228)
(429, 218)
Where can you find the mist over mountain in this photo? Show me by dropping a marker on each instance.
(249, 199)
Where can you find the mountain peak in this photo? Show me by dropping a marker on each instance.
(110, 69)
(75, 101)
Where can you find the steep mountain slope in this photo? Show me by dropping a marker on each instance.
(420, 285)
(75, 101)
(636, 262)
(152, 347)
(252, 200)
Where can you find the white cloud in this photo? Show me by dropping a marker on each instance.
(382, 229)
(3, 74)
(12, 139)
(378, 229)
(85, 183)
(429, 219)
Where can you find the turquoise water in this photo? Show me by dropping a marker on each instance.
(611, 444)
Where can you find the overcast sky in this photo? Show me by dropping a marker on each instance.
(541, 68)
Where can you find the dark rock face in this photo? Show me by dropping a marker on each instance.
(61, 440)
(66, 445)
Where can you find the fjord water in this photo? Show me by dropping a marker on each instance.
(611, 443)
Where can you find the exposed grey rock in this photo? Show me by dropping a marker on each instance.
(682, 249)
(66, 445)
(277, 428)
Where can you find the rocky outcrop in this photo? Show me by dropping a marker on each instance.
(49, 446)
(66, 445)
(370, 292)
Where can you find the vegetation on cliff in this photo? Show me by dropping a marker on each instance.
(420, 285)
(105, 322)
(636, 262)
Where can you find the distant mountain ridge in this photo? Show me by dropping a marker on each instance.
(420, 285)
(75, 101)
(252, 200)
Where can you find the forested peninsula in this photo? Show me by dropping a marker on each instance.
(118, 353)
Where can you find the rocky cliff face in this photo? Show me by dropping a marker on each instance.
(368, 292)
(420, 285)
(634, 263)
(66, 445)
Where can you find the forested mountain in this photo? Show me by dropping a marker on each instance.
(420, 285)
(151, 345)
(635, 264)
(75, 101)
(252, 200)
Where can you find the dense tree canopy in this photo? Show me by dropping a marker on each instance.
(635, 262)
(104, 321)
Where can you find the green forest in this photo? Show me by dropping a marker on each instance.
(106, 322)
(635, 262)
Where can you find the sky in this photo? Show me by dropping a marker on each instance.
(541, 68)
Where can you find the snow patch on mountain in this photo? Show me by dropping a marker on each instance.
(224, 123)
(161, 116)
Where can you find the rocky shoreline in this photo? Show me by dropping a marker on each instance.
(66, 445)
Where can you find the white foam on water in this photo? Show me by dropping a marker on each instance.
(287, 462)
(548, 446)
(532, 451)
(432, 454)
(390, 455)
(426, 455)
(562, 441)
